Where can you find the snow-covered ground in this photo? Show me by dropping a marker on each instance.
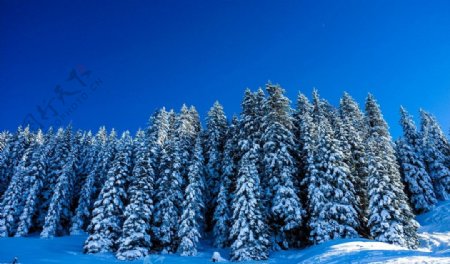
(434, 236)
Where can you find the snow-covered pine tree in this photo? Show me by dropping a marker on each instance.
(216, 123)
(108, 156)
(390, 217)
(189, 233)
(195, 121)
(11, 204)
(95, 162)
(329, 111)
(169, 194)
(13, 200)
(436, 134)
(12, 155)
(221, 217)
(187, 127)
(231, 152)
(222, 212)
(5, 139)
(135, 242)
(302, 117)
(318, 111)
(249, 230)
(433, 148)
(106, 225)
(33, 178)
(85, 163)
(5, 166)
(331, 195)
(286, 210)
(252, 127)
(251, 120)
(58, 215)
(418, 183)
(352, 134)
(157, 134)
(159, 125)
(57, 151)
(306, 138)
(260, 111)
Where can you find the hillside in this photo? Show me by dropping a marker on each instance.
(434, 237)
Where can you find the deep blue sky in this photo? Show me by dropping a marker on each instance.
(150, 54)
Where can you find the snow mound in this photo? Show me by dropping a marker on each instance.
(362, 251)
(437, 220)
(435, 229)
(434, 236)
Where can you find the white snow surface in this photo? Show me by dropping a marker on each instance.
(434, 248)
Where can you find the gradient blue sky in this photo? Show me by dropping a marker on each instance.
(150, 54)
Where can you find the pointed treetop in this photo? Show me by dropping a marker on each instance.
(140, 134)
(348, 104)
(217, 104)
(303, 104)
(316, 99)
(409, 127)
(259, 95)
(113, 134)
(39, 137)
(184, 107)
(375, 120)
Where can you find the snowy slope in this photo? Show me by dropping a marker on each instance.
(434, 234)
(434, 245)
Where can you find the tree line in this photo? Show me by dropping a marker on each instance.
(273, 178)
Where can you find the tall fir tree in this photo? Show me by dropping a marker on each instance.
(216, 124)
(222, 212)
(12, 155)
(157, 133)
(192, 207)
(33, 178)
(286, 210)
(85, 163)
(418, 183)
(352, 134)
(12, 204)
(57, 151)
(5, 139)
(96, 164)
(249, 231)
(135, 242)
(306, 140)
(106, 225)
(436, 134)
(187, 127)
(390, 216)
(434, 148)
(169, 194)
(52, 145)
(59, 214)
(302, 117)
(331, 193)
